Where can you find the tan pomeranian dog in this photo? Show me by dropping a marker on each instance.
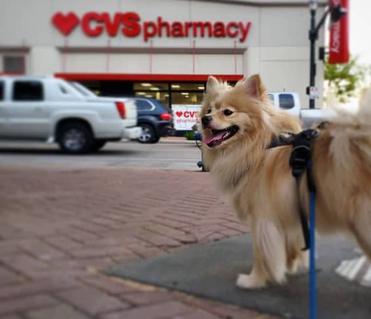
(238, 125)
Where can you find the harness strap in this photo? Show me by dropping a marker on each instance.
(282, 140)
(301, 160)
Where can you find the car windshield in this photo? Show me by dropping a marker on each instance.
(83, 90)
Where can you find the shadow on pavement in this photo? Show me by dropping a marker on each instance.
(210, 271)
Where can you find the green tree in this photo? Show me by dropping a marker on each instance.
(345, 80)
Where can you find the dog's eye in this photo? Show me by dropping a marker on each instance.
(227, 112)
(208, 111)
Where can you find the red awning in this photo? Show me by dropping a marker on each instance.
(146, 77)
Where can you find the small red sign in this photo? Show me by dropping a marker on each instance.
(339, 39)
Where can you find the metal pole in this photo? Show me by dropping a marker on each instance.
(312, 57)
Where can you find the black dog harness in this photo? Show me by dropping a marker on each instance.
(300, 161)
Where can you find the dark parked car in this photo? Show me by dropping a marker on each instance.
(154, 118)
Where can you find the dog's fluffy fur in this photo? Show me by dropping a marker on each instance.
(259, 183)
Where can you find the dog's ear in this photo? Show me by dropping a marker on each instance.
(254, 86)
(211, 84)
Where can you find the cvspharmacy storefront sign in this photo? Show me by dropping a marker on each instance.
(131, 25)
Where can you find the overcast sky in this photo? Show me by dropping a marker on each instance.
(360, 29)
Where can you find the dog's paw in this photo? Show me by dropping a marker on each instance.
(250, 281)
(293, 269)
(304, 260)
(299, 265)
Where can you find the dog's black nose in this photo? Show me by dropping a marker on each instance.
(206, 120)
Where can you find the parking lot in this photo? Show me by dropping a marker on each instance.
(65, 219)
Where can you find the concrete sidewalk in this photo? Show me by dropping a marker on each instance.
(59, 229)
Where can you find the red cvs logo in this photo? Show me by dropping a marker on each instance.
(186, 114)
(190, 114)
(65, 23)
(94, 24)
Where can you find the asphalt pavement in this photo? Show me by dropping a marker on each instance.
(169, 153)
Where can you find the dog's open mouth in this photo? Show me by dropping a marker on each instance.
(216, 137)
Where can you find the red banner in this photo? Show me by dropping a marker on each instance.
(339, 39)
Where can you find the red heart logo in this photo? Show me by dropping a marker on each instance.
(179, 113)
(65, 23)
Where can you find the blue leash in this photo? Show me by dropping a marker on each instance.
(312, 257)
(300, 161)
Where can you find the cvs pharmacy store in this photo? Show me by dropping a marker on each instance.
(163, 49)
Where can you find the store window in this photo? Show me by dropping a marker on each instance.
(171, 93)
(154, 90)
(14, 64)
(93, 86)
(188, 87)
(187, 93)
(27, 91)
(168, 93)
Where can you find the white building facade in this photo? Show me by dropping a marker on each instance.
(116, 46)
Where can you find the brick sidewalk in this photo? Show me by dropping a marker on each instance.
(59, 229)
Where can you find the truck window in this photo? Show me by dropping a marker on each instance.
(1, 90)
(28, 91)
(286, 101)
(62, 89)
(143, 105)
(83, 89)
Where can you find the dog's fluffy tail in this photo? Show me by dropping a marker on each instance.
(360, 119)
(351, 132)
(365, 106)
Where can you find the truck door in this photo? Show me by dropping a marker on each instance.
(27, 111)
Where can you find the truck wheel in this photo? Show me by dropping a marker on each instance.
(148, 134)
(75, 138)
(98, 144)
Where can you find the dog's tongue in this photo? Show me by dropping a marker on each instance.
(215, 139)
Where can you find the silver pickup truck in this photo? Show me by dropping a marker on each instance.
(52, 110)
(290, 102)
